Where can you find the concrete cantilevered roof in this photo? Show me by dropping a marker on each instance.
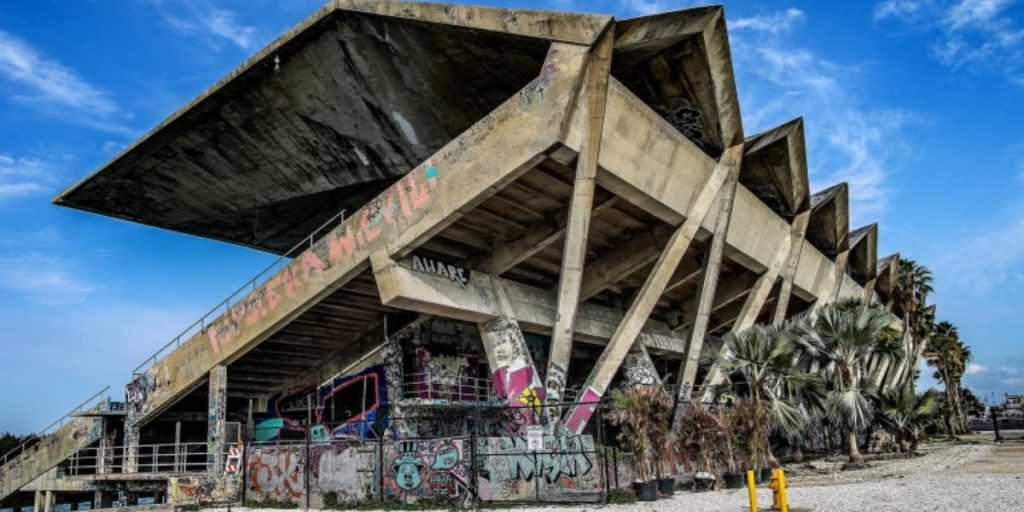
(362, 91)
(325, 117)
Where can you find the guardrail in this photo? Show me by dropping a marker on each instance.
(250, 286)
(37, 436)
(151, 458)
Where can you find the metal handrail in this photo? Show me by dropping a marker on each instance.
(38, 435)
(153, 458)
(464, 389)
(251, 283)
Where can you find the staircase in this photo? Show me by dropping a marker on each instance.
(50, 446)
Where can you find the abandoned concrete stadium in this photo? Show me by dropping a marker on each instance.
(479, 211)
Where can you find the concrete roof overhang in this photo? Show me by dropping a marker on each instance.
(863, 262)
(888, 275)
(829, 226)
(775, 168)
(679, 64)
(325, 117)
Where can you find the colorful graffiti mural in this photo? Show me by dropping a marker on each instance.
(343, 408)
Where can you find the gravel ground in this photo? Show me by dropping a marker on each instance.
(978, 477)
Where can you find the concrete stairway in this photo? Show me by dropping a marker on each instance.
(74, 433)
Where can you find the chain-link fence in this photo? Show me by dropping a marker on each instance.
(462, 455)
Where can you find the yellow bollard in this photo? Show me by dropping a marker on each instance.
(752, 489)
(783, 496)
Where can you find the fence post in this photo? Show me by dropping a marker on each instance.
(475, 497)
(604, 454)
(615, 464)
(536, 477)
(309, 429)
(245, 469)
(380, 459)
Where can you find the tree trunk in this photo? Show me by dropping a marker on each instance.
(854, 452)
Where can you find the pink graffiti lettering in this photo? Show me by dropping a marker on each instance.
(584, 410)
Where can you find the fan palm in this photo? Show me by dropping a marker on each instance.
(760, 361)
(906, 413)
(843, 339)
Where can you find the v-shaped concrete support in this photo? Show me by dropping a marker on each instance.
(622, 340)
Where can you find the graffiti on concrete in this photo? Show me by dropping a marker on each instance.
(515, 377)
(563, 456)
(567, 464)
(410, 194)
(345, 407)
(277, 473)
(429, 468)
(448, 271)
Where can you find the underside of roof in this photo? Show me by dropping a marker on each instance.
(341, 106)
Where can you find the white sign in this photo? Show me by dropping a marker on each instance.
(534, 438)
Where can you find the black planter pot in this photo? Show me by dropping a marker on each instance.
(646, 491)
(667, 486)
(703, 484)
(766, 475)
(734, 480)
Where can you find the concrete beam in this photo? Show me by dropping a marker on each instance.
(533, 308)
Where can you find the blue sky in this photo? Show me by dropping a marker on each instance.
(916, 103)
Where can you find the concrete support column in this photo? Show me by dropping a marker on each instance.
(97, 499)
(798, 231)
(130, 461)
(37, 505)
(595, 93)
(698, 316)
(215, 428)
(49, 502)
(515, 376)
(103, 449)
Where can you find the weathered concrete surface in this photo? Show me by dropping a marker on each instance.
(533, 308)
(51, 450)
(433, 194)
(325, 117)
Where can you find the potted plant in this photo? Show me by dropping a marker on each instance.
(732, 454)
(632, 411)
(662, 440)
(751, 422)
(702, 433)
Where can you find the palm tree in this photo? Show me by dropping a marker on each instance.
(949, 356)
(906, 413)
(910, 296)
(760, 362)
(845, 336)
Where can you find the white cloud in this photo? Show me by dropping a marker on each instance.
(781, 21)
(846, 140)
(23, 176)
(54, 88)
(975, 34)
(645, 7)
(987, 260)
(211, 24)
(43, 278)
(975, 369)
